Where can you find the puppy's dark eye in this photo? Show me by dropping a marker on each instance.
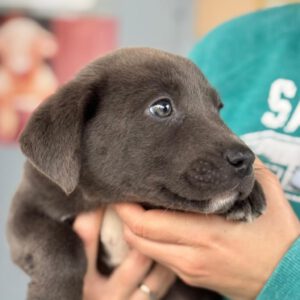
(220, 106)
(161, 108)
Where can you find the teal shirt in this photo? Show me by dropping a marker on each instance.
(254, 63)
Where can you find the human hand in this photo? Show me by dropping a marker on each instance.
(234, 259)
(124, 283)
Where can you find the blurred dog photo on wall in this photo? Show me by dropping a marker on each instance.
(25, 77)
(37, 55)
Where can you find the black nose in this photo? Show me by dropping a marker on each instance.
(241, 160)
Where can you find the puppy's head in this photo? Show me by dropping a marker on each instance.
(144, 125)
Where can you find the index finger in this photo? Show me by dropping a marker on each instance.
(166, 226)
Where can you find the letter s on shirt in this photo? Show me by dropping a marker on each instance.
(280, 107)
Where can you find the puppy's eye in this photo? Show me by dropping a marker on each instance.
(220, 106)
(161, 108)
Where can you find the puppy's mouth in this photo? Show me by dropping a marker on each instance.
(219, 204)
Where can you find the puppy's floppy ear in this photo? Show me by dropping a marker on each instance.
(52, 138)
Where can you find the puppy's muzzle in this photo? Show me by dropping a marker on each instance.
(235, 165)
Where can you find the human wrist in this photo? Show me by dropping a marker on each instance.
(283, 284)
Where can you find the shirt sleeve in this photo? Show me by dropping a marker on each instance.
(284, 283)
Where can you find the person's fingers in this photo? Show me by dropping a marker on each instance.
(158, 281)
(172, 227)
(129, 275)
(87, 226)
(169, 254)
(262, 173)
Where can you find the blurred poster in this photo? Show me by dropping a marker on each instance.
(37, 55)
(80, 41)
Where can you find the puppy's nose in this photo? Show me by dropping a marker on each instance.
(241, 160)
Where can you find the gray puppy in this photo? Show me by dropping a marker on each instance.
(136, 125)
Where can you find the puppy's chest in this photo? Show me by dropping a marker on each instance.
(112, 239)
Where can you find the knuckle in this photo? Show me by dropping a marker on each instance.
(139, 229)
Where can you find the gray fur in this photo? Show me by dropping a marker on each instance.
(94, 142)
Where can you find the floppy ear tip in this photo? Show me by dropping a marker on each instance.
(67, 182)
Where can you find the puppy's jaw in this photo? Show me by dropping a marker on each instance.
(222, 203)
(218, 204)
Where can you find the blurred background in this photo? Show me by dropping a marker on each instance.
(42, 45)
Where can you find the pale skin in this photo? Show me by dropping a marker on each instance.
(124, 282)
(235, 259)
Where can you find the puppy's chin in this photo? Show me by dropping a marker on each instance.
(215, 203)
(222, 203)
